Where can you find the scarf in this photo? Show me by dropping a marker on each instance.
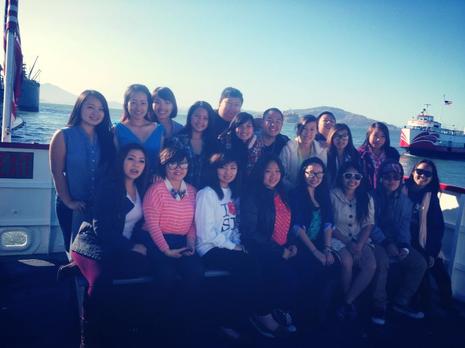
(423, 232)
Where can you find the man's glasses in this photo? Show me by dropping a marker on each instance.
(355, 176)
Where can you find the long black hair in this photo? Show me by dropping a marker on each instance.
(103, 129)
(361, 192)
(383, 128)
(216, 161)
(433, 186)
(142, 181)
(207, 134)
(258, 188)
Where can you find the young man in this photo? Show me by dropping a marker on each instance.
(271, 135)
(230, 105)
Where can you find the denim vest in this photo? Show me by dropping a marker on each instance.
(82, 159)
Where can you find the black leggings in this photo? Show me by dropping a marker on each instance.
(237, 294)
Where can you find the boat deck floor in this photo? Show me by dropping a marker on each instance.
(36, 311)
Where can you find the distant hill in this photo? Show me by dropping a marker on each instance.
(342, 116)
(52, 94)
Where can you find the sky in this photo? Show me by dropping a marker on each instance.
(381, 59)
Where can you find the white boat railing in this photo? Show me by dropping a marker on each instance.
(28, 223)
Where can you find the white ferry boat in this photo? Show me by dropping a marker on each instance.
(424, 136)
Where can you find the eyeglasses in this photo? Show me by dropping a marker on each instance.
(391, 177)
(174, 165)
(354, 176)
(312, 175)
(341, 136)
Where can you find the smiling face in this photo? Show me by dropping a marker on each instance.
(162, 108)
(307, 134)
(325, 123)
(314, 175)
(245, 131)
(227, 173)
(92, 112)
(391, 181)
(177, 171)
(138, 106)
(272, 123)
(341, 139)
(229, 108)
(377, 139)
(134, 164)
(199, 120)
(351, 179)
(272, 175)
(423, 174)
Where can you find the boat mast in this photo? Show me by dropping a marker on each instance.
(11, 25)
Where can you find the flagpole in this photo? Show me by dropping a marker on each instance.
(12, 19)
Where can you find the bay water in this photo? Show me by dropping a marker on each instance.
(40, 126)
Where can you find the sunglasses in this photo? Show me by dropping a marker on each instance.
(174, 165)
(425, 173)
(312, 175)
(391, 177)
(354, 176)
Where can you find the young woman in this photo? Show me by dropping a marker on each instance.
(341, 149)
(354, 220)
(218, 238)
(108, 247)
(165, 109)
(196, 138)
(392, 244)
(77, 154)
(265, 222)
(169, 207)
(302, 147)
(136, 124)
(427, 229)
(325, 121)
(376, 148)
(312, 221)
(240, 139)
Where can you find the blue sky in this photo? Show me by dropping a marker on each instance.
(382, 59)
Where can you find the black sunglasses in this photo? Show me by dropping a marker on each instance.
(425, 173)
(355, 176)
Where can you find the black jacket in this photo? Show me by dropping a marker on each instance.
(257, 218)
(110, 209)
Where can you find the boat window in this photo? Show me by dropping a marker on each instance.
(14, 240)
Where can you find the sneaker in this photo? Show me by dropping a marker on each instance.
(347, 312)
(284, 318)
(281, 331)
(408, 311)
(378, 316)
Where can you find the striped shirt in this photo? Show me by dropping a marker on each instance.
(282, 221)
(165, 215)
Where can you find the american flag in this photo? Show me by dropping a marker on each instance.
(11, 24)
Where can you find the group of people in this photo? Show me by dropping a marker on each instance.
(298, 224)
